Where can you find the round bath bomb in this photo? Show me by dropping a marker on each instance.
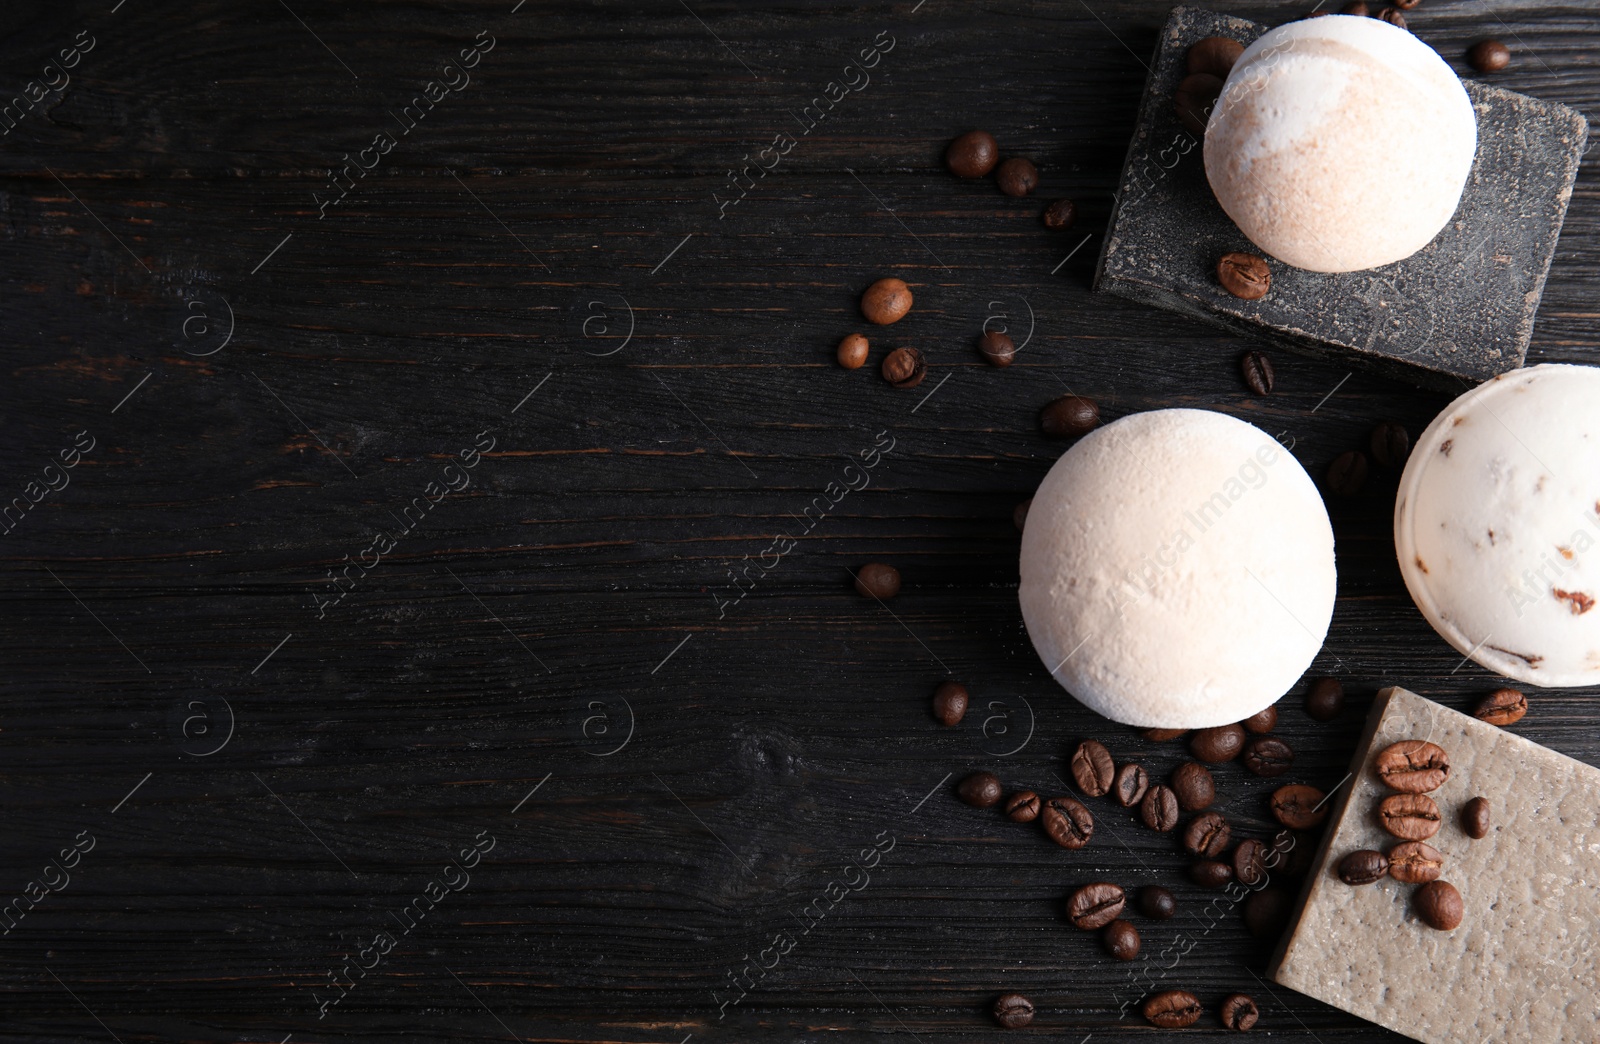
(1340, 143)
(1177, 570)
(1497, 524)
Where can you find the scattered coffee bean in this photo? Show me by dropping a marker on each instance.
(1163, 735)
(1243, 275)
(1096, 905)
(1390, 444)
(904, 368)
(1363, 867)
(1222, 743)
(1262, 721)
(1172, 1009)
(876, 580)
(1211, 873)
(997, 349)
(980, 790)
(1415, 862)
(886, 301)
(1325, 699)
(1393, 17)
(1131, 783)
(1413, 766)
(1475, 818)
(852, 353)
(1347, 474)
(1159, 809)
(1059, 215)
(1489, 56)
(1356, 7)
(1214, 55)
(972, 155)
(1013, 1011)
(1250, 861)
(1017, 176)
(1068, 823)
(1439, 905)
(1267, 756)
(1069, 416)
(1092, 768)
(1299, 807)
(1023, 806)
(1239, 1013)
(1192, 101)
(1502, 707)
(1257, 370)
(1406, 5)
(1157, 903)
(1194, 786)
(1410, 817)
(1019, 514)
(1122, 940)
(950, 702)
(1207, 835)
(1266, 913)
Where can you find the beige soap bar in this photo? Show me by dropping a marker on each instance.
(1522, 965)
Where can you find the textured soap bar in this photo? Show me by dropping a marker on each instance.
(1522, 965)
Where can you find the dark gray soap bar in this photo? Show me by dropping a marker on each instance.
(1459, 310)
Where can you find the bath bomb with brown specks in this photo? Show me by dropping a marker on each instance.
(1340, 143)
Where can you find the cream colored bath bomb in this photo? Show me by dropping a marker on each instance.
(1340, 143)
(1177, 570)
(1497, 524)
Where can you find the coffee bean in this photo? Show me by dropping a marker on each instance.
(1163, 735)
(1262, 721)
(1206, 835)
(1131, 783)
(1068, 823)
(1266, 913)
(1298, 806)
(1356, 7)
(1193, 100)
(1159, 809)
(1363, 867)
(1239, 1013)
(1194, 786)
(1267, 756)
(1069, 416)
(1211, 873)
(980, 790)
(876, 580)
(1325, 699)
(1410, 817)
(1157, 903)
(904, 368)
(1489, 56)
(1347, 474)
(1096, 905)
(1250, 861)
(1393, 17)
(1017, 177)
(1390, 445)
(1415, 862)
(1502, 707)
(1406, 5)
(1019, 514)
(1122, 940)
(1257, 371)
(1092, 768)
(1475, 818)
(1243, 275)
(1059, 215)
(1222, 743)
(852, 353)
(1172, 1009)
(1439, 905)
(1013, 1011)
(950, 702)
(972, 155)
(1413, 766)
(1214, 55)
(886, 301)
(997, 349)
(1023, 806)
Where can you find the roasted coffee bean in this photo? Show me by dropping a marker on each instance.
(1502, 707)
(1019, 514)
(1347, 474)
(1157, 903)
(1172, 1009)
(1325, 699)
(1250, 861)
(1222, 743)
(1393, 17)
(972, 155)
(1489, 56)
(1017, 176)
(1439, 905)
(1262, 721)
(1413, 766)
(1415, 862)
(1207, 835)
(1267, 756)
(1192, 101)
(886, 301)
(1193, 785)
(1363, 867)
(1069, 416)
(1257, 371)
(1122, 940)
(1159, 809)
(1299, 807)
(1214, 55)
(980, 790)
(1390, 445)
(1239, 1013)
(904, 368)
(1211, 873)
(997, 349)
(1266, 913)
(1013, 1011)
(1475, 818)
(1092, 768)
(1406, 5)
(876, 580)
(1410, 817)
(950, 702)
(1163, 735)
(1096, 905)
(1060, 214)
(1131, 783)
(1356, 7)
(1023, 806)
(1245, 276)
(852, 353)
(1068, 823)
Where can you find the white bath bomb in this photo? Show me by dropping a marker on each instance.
(1340, 143)
(1496, 525)
(1177, 570)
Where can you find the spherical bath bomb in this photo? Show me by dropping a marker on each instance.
(1340, 143)
(1497, 524)
(1177, 570)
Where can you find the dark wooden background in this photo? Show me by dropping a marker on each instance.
(512, 636)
